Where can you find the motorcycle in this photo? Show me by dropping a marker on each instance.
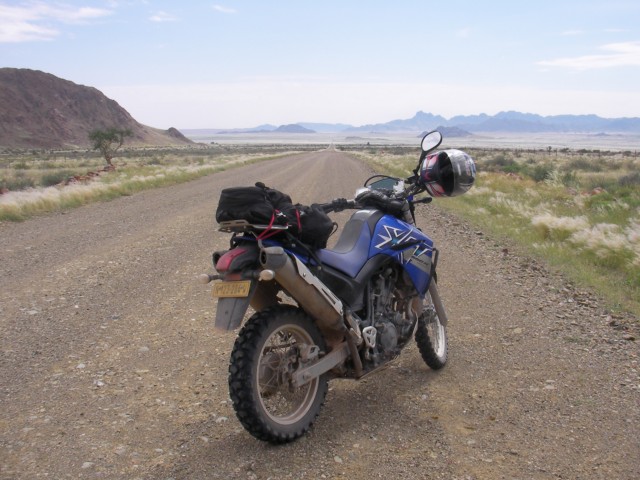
(343, 312)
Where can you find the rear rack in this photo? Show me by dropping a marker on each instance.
(239, 226)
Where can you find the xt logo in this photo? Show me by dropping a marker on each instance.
(419, 251)
(419, 257)
(394, 236)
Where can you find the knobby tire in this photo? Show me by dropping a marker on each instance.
(249, 401)
(432, 346)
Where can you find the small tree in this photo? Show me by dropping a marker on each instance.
(108, 141)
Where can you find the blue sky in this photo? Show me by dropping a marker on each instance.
(241, 63)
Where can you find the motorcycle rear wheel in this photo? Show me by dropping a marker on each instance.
(265, 354)
(431, 337)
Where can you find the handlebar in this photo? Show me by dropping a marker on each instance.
(337, 205)
(379, 201)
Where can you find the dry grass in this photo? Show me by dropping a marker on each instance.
(48, 189)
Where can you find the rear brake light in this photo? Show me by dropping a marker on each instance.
(224, 263)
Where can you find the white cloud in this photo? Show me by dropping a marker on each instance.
(80, 15)
(571, 33)
(223, 9)
(162, 17)
(15, 30)
(32, 21)
(625, 54)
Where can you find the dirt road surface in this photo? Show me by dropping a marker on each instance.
(110, 367)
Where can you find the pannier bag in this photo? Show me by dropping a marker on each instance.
(260, 205)
(316, 226)
(257, 205)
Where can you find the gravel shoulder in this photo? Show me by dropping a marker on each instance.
(110, 367)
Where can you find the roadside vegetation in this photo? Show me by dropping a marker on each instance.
(577, 210)
(37, 182)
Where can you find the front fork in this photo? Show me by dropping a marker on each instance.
(433, 289)
(437, 303)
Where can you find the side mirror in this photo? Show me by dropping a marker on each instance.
(431, 140)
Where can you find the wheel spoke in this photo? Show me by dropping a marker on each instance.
(284, 402)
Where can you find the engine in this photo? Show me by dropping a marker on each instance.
(389, 321)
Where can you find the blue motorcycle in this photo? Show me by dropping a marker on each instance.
(325, 313)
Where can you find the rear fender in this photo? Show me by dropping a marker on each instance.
(231, 264)
(231, 311)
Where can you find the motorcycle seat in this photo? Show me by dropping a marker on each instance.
(352, 249)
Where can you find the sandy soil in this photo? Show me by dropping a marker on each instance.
(110, 367)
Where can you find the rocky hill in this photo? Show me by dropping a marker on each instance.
(449, 132)
(40, 110)
(293, 128)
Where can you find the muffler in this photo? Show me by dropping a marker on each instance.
(313, 296)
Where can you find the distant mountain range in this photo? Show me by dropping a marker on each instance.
(509, 122)
(462, 125)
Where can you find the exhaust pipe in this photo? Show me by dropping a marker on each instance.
(313, 296)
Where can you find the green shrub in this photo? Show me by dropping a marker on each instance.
(19, 182)
(542, 172)
(631, 180)
(608, 183)
(50, 179)
(569, 179)
(499, 162)
(21, 166)
(600, 201)
(584, 165)
(514, 168)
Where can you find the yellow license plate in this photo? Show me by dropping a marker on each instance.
(231, 289)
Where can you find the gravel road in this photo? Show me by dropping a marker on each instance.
(110, 367)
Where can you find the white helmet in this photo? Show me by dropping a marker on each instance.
(447, 173)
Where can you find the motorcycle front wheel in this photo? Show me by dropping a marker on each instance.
(431, 337)
(264, 357)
